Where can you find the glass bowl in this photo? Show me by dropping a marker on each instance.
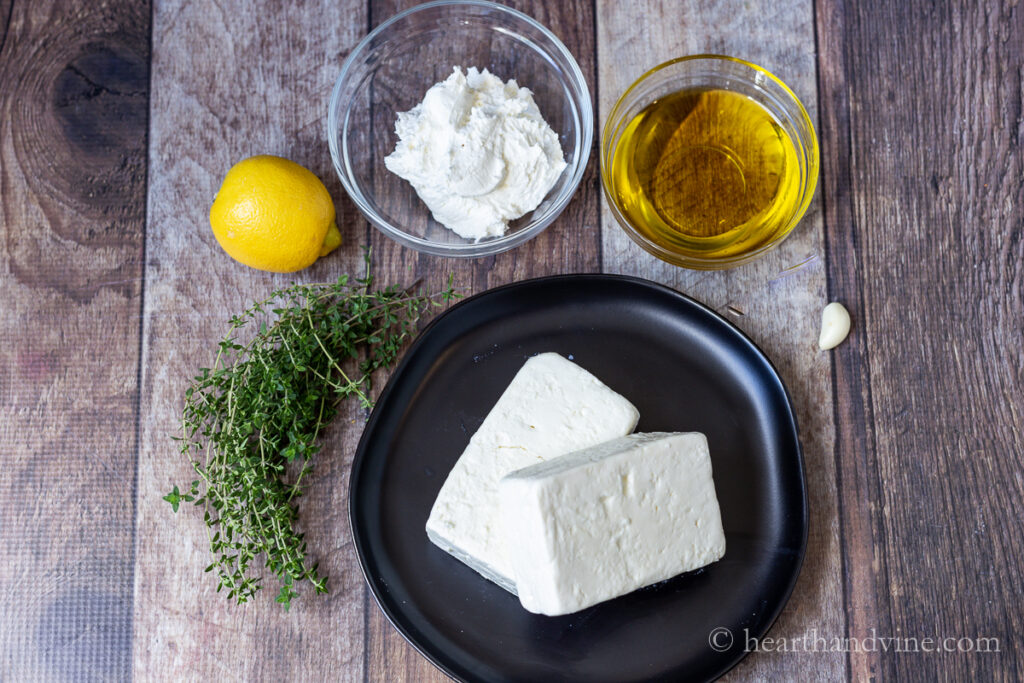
(701, 73)
(391, 69)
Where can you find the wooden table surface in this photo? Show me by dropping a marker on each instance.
(118, 120)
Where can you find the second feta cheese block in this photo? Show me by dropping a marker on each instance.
(602, 522)
(552, 407)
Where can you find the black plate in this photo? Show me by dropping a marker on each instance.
(685, 369)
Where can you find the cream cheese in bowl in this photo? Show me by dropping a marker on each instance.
(389, 72)
(478, 152)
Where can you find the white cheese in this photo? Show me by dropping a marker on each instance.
(602, 522)
(478, 153)
(552, 407)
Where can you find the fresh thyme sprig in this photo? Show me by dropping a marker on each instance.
(262, 405)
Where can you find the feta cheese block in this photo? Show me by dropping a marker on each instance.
(602, 522)
(552, 407)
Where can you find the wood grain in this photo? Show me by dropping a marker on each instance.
(913, 429)
(73, 107)
(780, 296)
(925, 182)
(230, 81)
(865, 572)
(571, 244)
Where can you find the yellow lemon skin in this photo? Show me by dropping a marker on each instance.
(272, 214)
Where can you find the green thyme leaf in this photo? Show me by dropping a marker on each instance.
(263, 404)
(174, 498)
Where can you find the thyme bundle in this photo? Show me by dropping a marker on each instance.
(262, 406)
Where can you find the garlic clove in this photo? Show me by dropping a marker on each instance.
(835, 325)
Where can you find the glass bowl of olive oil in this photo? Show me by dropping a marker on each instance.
(708, 161)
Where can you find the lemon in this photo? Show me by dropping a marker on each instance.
(272, 214)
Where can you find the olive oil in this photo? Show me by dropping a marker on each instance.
(707, 174)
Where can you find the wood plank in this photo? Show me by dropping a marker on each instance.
(571, 244)
(781, 304)
(229, 82)
(73, 110)
(865, 575)
(926, 198)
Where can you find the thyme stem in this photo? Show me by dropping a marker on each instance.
(264, 404)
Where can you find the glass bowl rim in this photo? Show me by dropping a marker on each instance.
(810, 168)
(583, 111)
